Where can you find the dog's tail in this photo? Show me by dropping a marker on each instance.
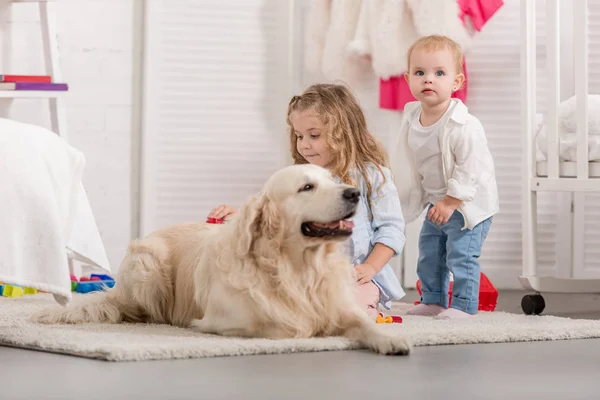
(94, 307)
(143, 291)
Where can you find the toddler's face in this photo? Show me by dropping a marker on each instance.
(310, 138)
(433, 76)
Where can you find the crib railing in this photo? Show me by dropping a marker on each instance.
(574, 187)
(553, 181)
(580, 47)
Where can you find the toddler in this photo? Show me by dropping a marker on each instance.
(446, 156)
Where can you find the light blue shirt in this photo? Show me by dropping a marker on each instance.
(386, 226)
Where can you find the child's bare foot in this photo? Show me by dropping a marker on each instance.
(425, 309)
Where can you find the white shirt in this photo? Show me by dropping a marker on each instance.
(424, 141)
(467, 164)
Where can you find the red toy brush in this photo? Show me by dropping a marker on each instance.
(215, 221)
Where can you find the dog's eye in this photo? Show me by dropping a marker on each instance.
(307, 187)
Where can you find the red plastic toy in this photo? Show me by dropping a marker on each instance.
(488, 295)
(215, 221)
(389, 319)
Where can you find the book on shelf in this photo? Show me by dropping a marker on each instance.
(33, 86)
(26, 78)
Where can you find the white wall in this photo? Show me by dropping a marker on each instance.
(215, 96)
(95, 39)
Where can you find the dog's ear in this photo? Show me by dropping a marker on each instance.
(258, 219)
(246, 225)
(270, 221)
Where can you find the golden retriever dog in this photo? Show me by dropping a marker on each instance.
(277, 269)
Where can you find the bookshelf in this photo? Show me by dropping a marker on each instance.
(47, 14)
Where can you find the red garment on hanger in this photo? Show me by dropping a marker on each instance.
(394, 92)
(479, 11)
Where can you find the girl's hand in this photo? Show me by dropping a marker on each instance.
(222, 212)
(443, 210)
(364, 273)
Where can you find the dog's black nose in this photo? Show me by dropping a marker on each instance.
(351, 195)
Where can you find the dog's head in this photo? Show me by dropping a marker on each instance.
(303, 202)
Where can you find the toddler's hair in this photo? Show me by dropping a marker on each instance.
(346, 131)
(438, 42)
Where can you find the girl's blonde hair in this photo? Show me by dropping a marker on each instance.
(346, 132)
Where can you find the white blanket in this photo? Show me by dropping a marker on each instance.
(567, 128)
(44, 210)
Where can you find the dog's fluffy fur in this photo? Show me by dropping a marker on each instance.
(266, 273)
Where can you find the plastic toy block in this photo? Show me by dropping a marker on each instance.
(92, 283)
(101, 277)
(93, 286)
(1, 289)
(29, 290)
(12, 291)
(488, 295)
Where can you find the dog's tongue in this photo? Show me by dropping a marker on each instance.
(346, 225)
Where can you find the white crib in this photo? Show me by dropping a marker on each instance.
(553, 175)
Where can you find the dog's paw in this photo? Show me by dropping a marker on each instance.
(389, 345)
(43, 317)
(201, 325)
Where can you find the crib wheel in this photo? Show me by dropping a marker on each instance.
(533, 304)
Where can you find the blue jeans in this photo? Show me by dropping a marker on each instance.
(447, 248)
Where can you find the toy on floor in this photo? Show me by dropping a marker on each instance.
(7, 290)
(215, 221)
(96, 282)
(488, 295)
(381, 319)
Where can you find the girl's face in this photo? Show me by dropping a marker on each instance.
(310, 138)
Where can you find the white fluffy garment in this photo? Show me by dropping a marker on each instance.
(341, 36)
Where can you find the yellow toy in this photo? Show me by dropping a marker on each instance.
(388, 320)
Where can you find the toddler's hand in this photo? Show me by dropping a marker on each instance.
(443, 210)
(222, 212)
(364, 273)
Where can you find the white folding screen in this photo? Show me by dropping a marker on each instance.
(215, 94)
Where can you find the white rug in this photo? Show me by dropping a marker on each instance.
(131, 342)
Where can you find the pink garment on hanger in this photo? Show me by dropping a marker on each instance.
(480, 11)
(394, 93)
